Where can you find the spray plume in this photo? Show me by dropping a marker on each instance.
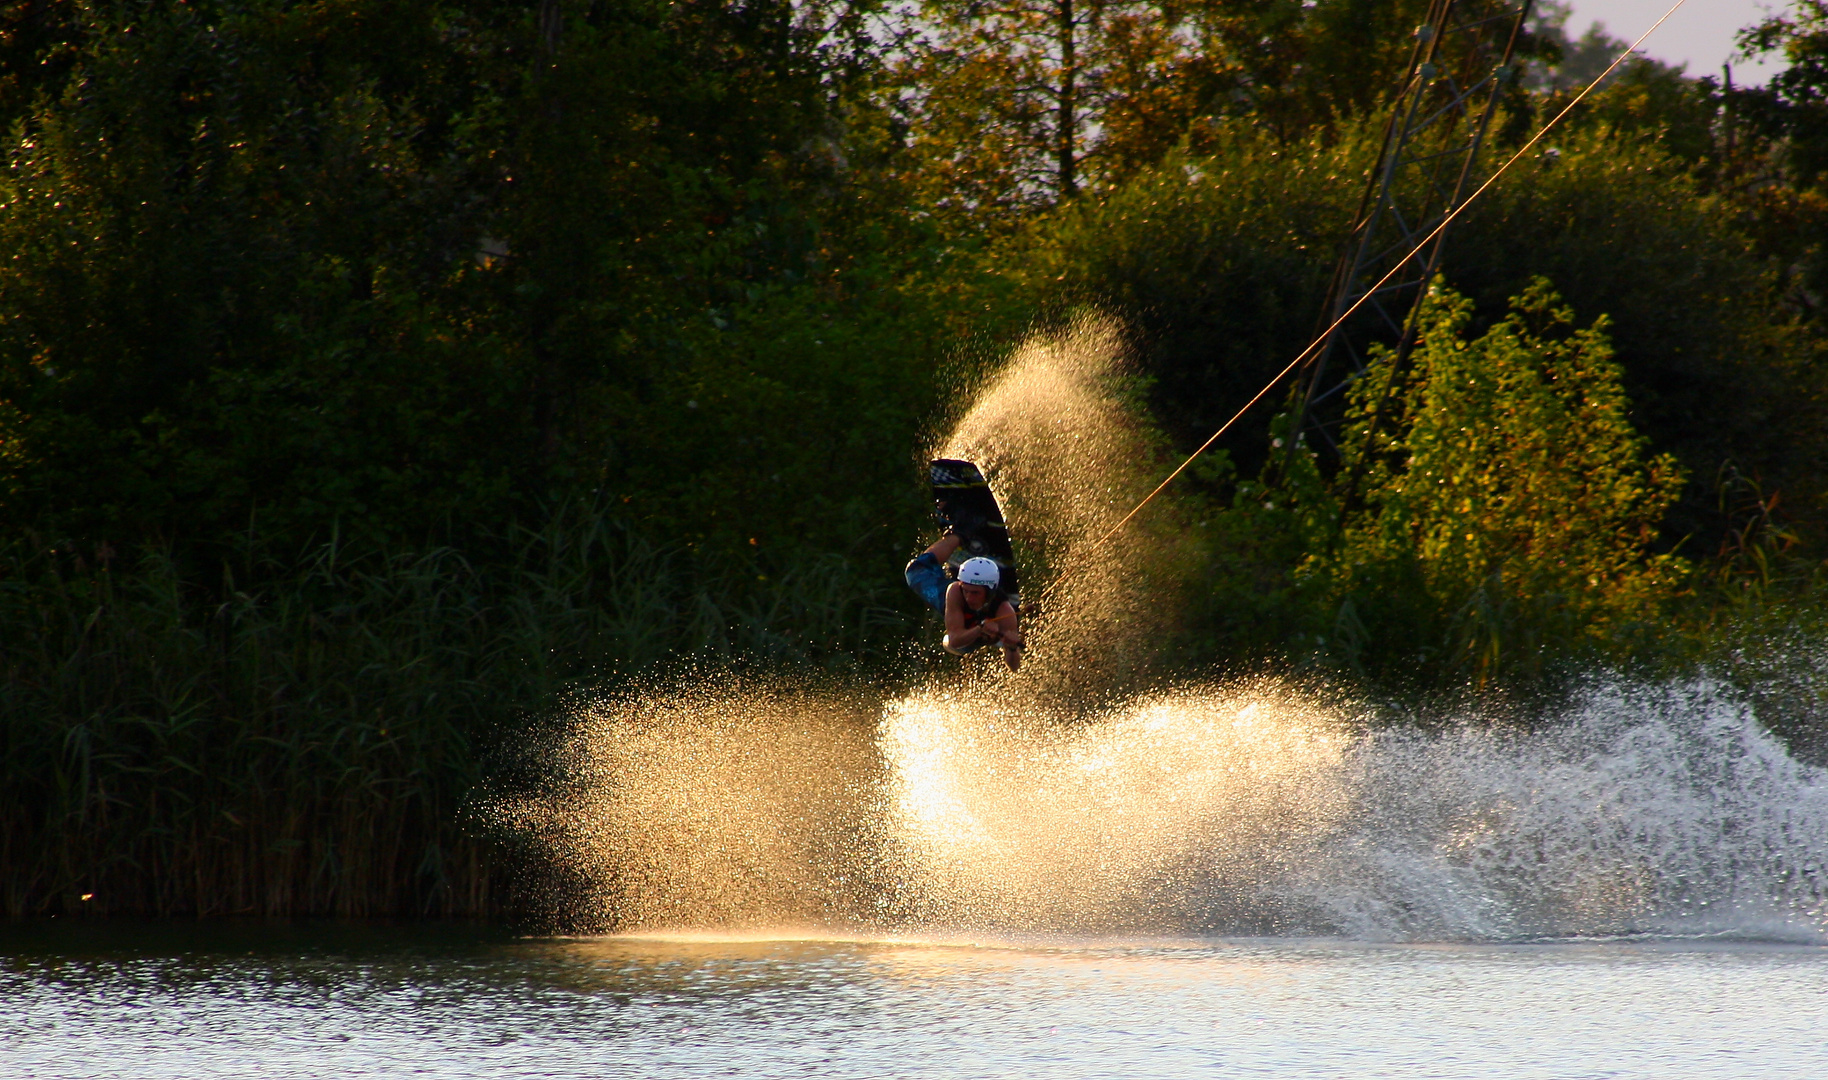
(1054, 802)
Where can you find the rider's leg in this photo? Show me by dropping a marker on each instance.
(927, 573)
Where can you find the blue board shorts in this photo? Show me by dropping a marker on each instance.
(927, 577)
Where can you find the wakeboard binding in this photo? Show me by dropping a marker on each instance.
(964, 504)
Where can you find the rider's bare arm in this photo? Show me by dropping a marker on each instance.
(1007, 624)
(1009, 635)
(959, 637)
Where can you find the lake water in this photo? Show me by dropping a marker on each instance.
(377, 1001)
(1212, 881)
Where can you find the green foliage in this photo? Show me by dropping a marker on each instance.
(786, 422)
(220, 227)
(316, 312)
(323, 322)
(1217, 265)
(405, 270)
(1793, 107)
(1714, 367)
(1508, 508)
(1002, 110)
(1494, 516)
(305, 745)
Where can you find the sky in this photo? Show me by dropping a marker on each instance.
(1700, 33)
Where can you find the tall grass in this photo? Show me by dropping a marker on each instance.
(300, 738)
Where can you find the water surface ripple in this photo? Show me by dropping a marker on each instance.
(304, 1002)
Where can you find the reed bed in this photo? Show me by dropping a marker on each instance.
(301, 739)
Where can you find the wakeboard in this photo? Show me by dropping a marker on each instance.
(964, 503)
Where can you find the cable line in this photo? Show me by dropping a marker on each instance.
(1308, 352)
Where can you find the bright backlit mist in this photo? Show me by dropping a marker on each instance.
(1055, 802)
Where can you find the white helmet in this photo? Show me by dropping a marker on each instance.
(980, 571)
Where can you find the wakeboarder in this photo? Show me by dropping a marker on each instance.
(976, 610)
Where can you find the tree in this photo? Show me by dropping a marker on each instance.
(1506, 492)
(1794, 105)
(1012, 106)
(1000, 99)
(1567, 63)
(387, 268)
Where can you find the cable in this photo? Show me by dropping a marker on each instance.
(1372, 291)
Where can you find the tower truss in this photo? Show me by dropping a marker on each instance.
(1464, 56)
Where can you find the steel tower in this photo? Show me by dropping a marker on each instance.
(1462, 60)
